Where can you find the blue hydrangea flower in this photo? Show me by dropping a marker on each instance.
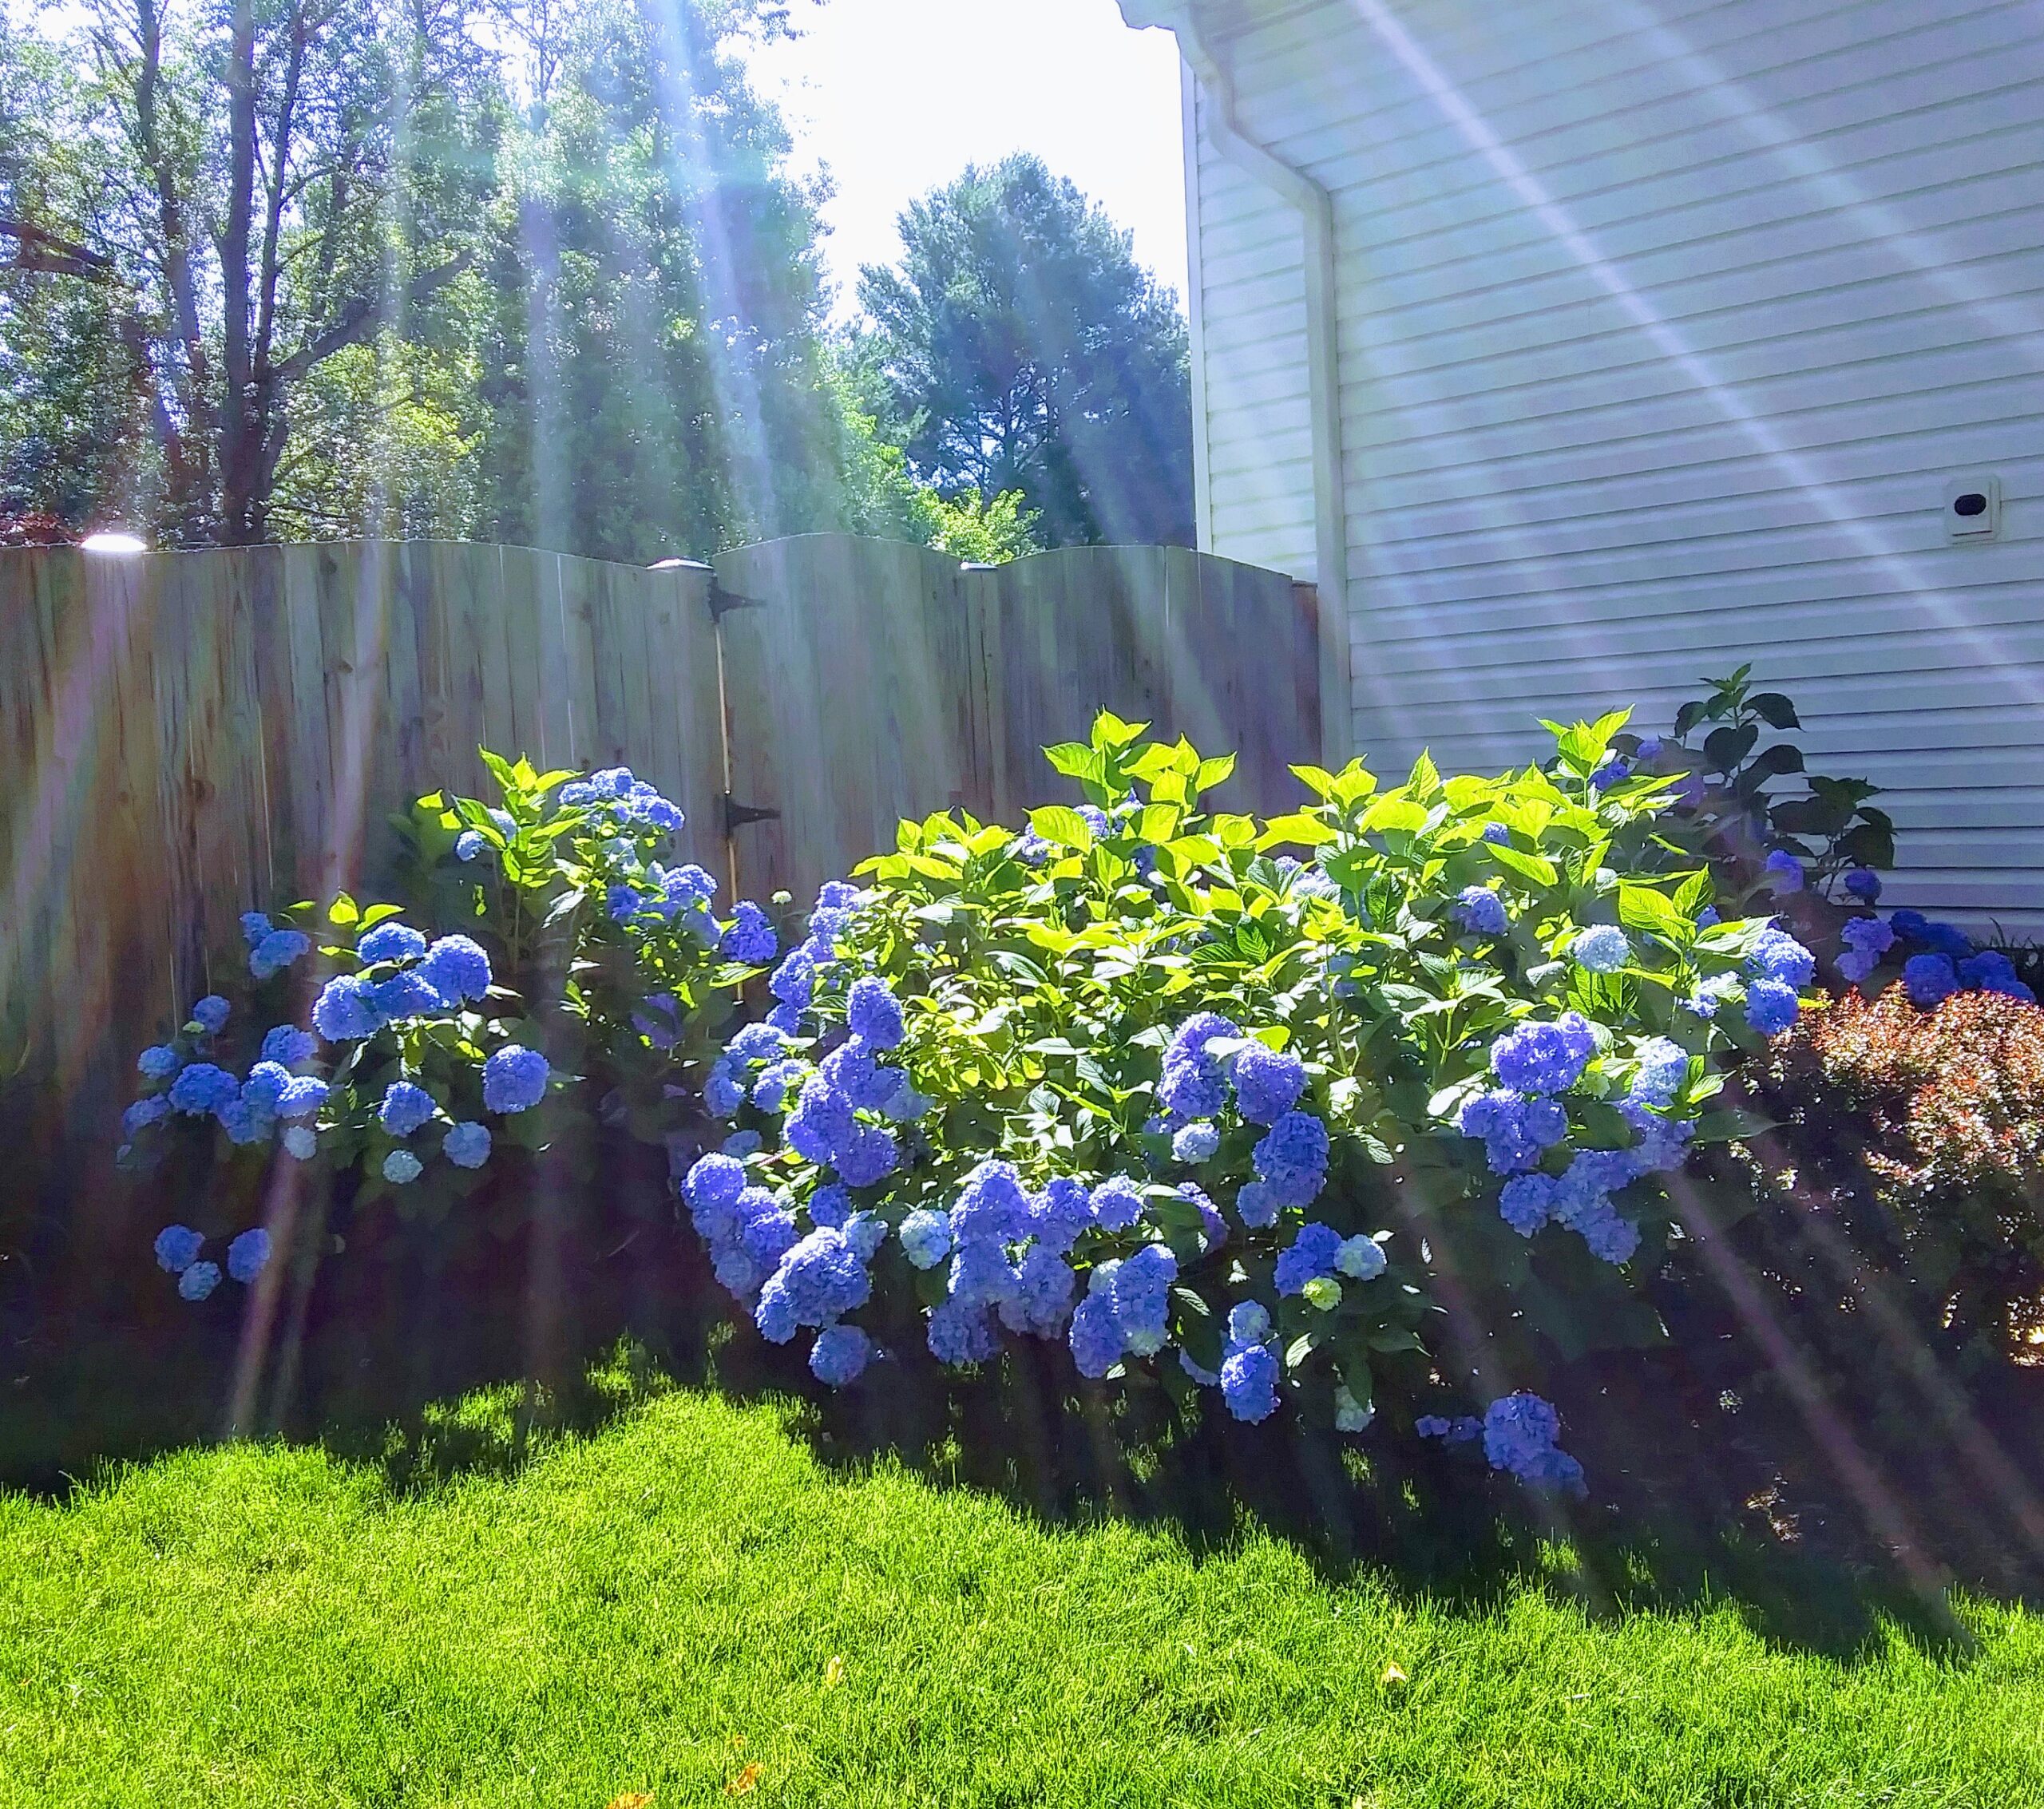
(299, 1143)
(470, 843)
(1940, 938)
(1097, 821)
(159, 1062)
(1258, 1205)
(303, 1096)
(1481, 912)
(1929, 980)
(406, 1107)
(408, 994)
(266, 1086)
(874, 1013)
(289, 1046)
(1360, 1258)
(466, 1145)
(1664, 1067)
(925, 1238)
(1780, 956)
(1518, 1433)
(245, 1124)
(1291, 1159)
(389, 941)
(346, 1010)
(200, 1088)
(1030, 849)
(823, 1122)
(1601, 949)
(1991, 971)
(1351, 1414)
(1457, 1432)
(1193, 1084)
(1864, 884)
(991, 1206)
(1784, 871)
(1544, 1057)
(1772, 1007)
(1610, 773)
(1142, 1287)
(199, 1280)
(456, 968)
(514, 1080)
(1060, 1214)
(278, 951)
(1039, 1301)
(1249, 1382)
(1195, 1143)
(870, 1157)
(1514, 1131)
(1528, 1201)
(960, 1332)
(793, 981)
(144, 1113)
(819, 1280)
(254, 926)
(248, 1255)
(1267, 1084)
(1497, 835)
(750, 938)
(1095, 1334)
(400, 1168)
(210, 1014)
(177, 1248)
(840, 1355)
(1117, 1203)
(723, 1092)
(1311, 1254)
(742, 1143)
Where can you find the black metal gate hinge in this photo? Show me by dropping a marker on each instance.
(737, 815)
(721, 601)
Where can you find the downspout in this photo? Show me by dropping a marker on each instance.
(1316, 209)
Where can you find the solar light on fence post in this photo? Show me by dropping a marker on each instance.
(112, 542)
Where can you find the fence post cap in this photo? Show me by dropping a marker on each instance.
(679, 565)
(976, 565)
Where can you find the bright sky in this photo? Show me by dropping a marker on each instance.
(896, 96)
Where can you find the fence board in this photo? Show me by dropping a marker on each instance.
(848, 701)
(186, 736)
(868, 682)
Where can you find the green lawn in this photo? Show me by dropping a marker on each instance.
(686, 1594)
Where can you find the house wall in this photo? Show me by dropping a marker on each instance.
(1663, 328)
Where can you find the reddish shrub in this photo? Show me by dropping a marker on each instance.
(1942, 1112)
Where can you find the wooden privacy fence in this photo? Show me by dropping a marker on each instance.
(186, 736)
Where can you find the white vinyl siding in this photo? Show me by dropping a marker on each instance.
(1663, 326)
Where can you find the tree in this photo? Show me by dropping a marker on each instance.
(286, 179)
(656, 382)
(1018, 346)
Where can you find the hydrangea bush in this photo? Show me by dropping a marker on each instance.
(571, 974)
(1377, 1092)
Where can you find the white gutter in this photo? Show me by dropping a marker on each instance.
(1315, 210)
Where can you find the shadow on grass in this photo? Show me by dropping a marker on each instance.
(1686, 1512)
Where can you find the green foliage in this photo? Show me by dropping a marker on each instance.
(882, 499)
(1738, 818)
(1018, 346)
(1045, 979)
(599, 960)
(532, 273)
